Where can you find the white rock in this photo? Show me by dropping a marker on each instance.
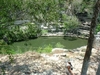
(98, 33)
(58, 50)
(54, 58)
(60, 55)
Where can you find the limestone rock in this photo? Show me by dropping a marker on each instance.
(58, 50)
(32, 63)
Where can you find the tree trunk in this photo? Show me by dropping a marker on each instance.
(91, 38)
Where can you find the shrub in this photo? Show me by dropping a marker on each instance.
(6, 50)
(44, 32)
(59, 45)
(98, 28)
(22, 32)
(71, 23)
(2, 43)
(46, 49)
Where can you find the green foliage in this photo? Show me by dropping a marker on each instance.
(71, 23)
(98, 28)
(32, 30)
(22, 32)
(38, 11)
(87, 6)
(6, 50)
(44, 32)
(11, 58)
(3, 47)
(59, 45)
(46, 49)
(2, 42)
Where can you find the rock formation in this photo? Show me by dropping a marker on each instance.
(54, 63)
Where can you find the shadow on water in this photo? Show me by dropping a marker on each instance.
(69, 38)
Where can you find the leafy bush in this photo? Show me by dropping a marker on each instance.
(2, 43)
(7, 50)
(44, 32)
(71, 23)
(46, 49)
(59, 45)
(22, 32)
(98, 28)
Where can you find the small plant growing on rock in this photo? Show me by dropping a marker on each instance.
(59, 45)
(46, 49)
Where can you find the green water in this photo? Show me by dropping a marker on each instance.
(68, 43)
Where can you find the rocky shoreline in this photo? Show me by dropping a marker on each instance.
(32, 63)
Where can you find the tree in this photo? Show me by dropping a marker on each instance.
(91, 38)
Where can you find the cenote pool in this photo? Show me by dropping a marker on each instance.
(41, 42)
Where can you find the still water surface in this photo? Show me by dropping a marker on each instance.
(34, 44)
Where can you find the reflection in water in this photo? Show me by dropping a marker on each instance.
(70, 38)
